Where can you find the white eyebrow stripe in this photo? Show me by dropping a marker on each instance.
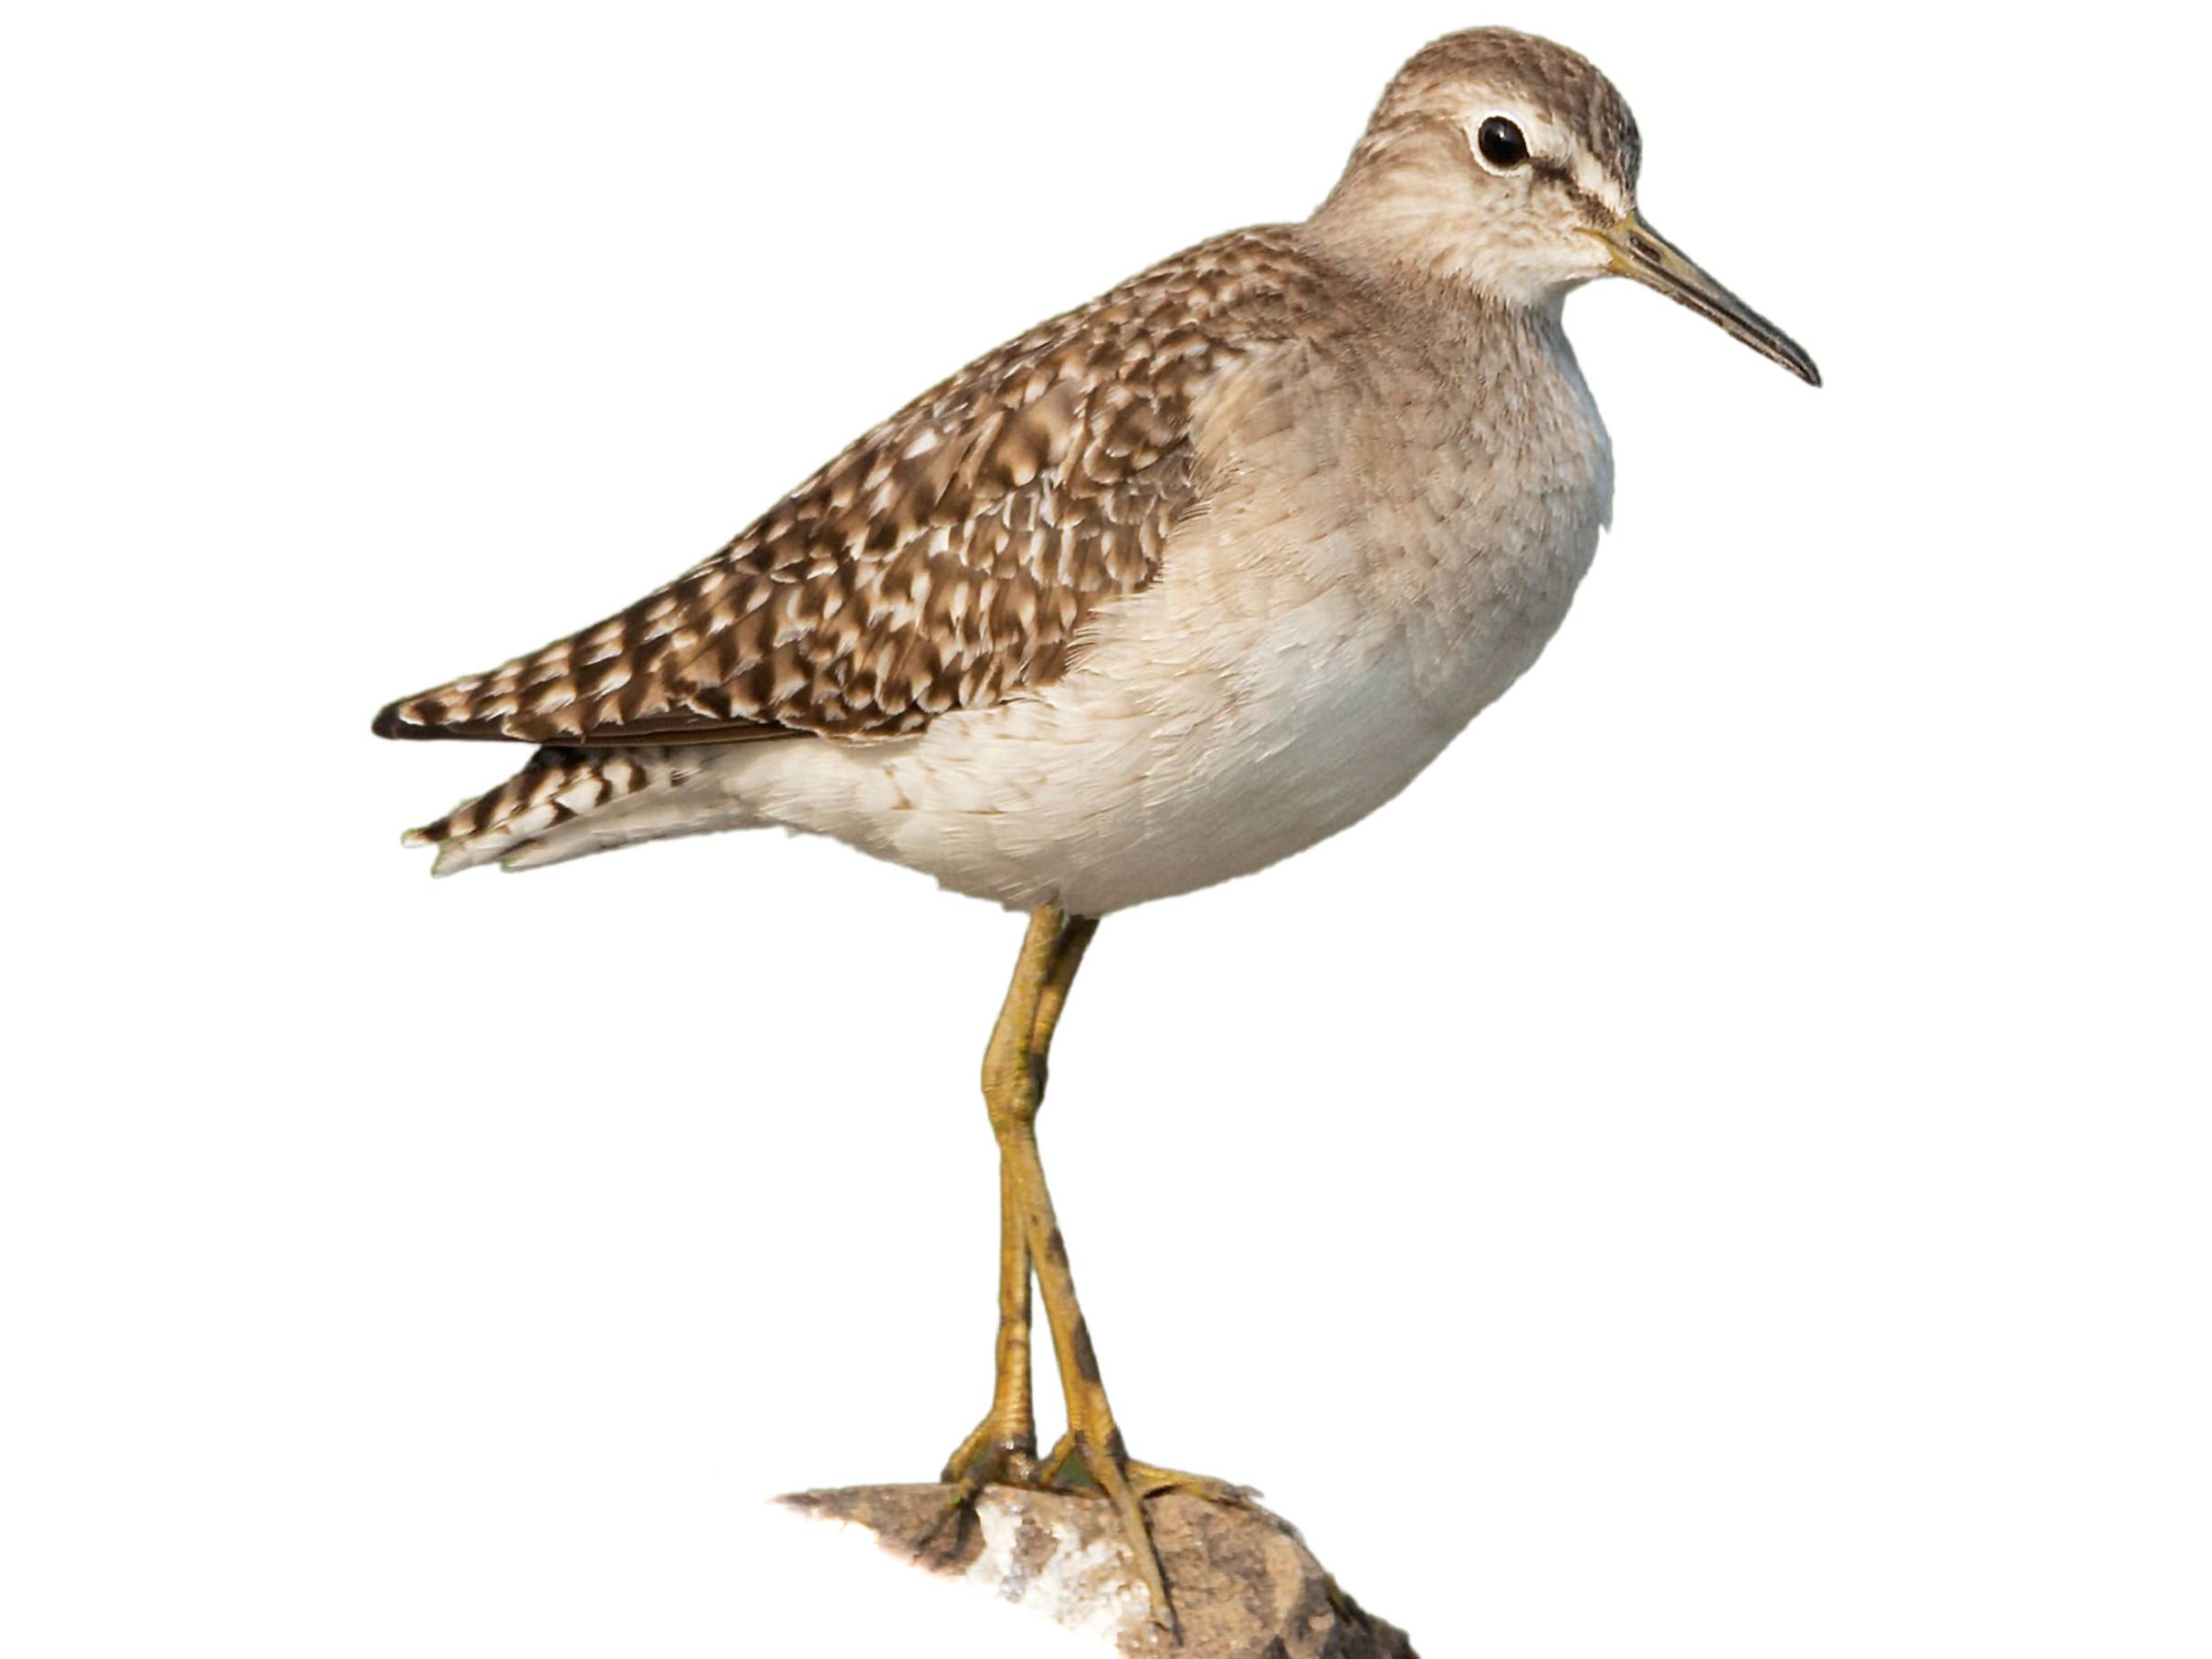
(1593, 176)
(1547, 137)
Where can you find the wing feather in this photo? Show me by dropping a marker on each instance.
(947, 560)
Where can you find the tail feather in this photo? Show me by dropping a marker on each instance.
(525, 820)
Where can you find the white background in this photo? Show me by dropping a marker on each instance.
(1718, 1168)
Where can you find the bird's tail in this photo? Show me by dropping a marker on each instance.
(565, 802)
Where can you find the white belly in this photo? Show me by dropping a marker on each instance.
(1247, 705)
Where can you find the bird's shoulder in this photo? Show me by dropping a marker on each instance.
(944, 560)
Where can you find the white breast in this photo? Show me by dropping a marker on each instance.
(1374, 570)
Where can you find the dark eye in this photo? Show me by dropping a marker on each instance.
(1501, 143)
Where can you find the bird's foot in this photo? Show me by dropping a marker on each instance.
(994, 1454)
(1062, 1470)
(998, 1454)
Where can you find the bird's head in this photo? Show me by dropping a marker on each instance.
(1502, 163)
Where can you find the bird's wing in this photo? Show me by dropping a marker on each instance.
(945, 561)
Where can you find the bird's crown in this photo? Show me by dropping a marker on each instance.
(1447, 79)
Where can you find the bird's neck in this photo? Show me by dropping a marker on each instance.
(1467, 325)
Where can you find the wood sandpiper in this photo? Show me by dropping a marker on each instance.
(1168, 588)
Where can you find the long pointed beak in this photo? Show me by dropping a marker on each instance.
(1640, 252)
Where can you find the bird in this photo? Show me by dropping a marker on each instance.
(1168, 588)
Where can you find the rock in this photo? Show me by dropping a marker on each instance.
(1245, 1585)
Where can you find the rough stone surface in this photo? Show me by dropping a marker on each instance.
(1243, 1584)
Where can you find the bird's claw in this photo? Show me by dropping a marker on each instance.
(1061, 1470)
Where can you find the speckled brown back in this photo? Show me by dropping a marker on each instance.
(945, 561)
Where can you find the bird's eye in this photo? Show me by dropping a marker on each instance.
(1501, 143)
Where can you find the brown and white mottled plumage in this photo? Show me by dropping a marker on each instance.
(945, 561)
(1169, 586)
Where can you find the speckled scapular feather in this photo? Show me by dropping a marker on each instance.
(945, 561)
(1168, 587)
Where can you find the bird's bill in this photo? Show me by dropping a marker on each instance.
(1641, 253)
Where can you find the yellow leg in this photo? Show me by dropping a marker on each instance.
(1014, 1085)
(1002, 1448)
(1003, 1444)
